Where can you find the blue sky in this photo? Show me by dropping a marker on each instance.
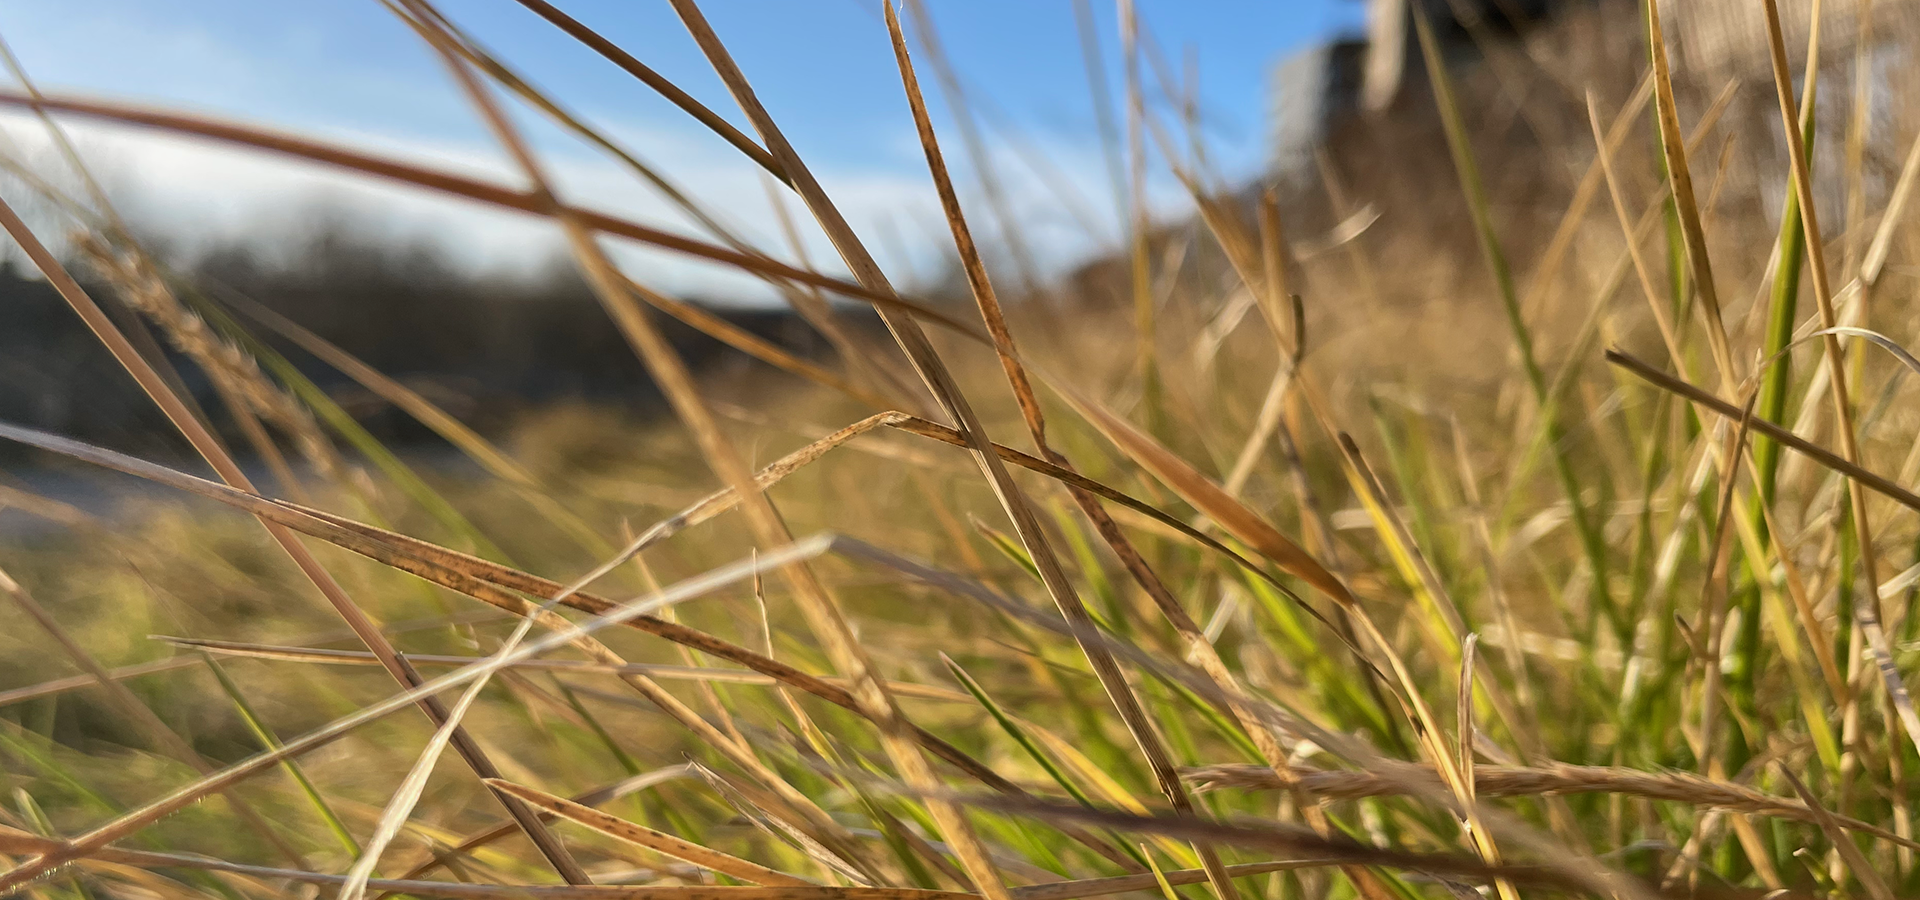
(346, 68)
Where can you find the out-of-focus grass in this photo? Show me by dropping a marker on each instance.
(1391, 657)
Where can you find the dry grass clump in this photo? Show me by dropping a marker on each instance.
(1253, 581)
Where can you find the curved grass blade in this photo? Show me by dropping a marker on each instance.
(475, 189)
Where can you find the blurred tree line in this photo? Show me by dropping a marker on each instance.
(486, 347)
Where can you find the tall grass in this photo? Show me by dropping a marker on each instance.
(1105, 590)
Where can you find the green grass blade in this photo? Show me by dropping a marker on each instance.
(1018, 734)
(270, 741)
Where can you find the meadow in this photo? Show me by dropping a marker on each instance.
(1519, 507)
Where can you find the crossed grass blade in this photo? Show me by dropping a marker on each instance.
(465, 846)
(1542, 780)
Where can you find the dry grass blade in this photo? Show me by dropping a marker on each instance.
(1856, 861)
(658, 841)
(585, 667)
(47, 508)
(762, 810)
(121, 673)
(1674, 148)
(1576, 213)
(1604, 158)
(1272, 408)
(659, 84)
(1464, 765)
(753, 345)
(1393, 531)
(1876, 258)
